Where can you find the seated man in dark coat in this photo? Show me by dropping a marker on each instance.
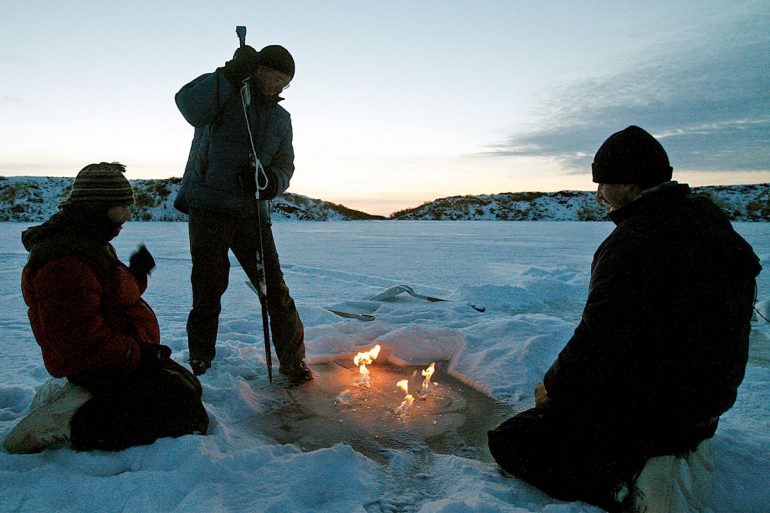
(662, 345)
(117, 384)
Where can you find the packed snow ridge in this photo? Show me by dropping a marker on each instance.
(31, 199)
(740, 202)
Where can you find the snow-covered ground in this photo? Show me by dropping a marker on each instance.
(531, 277)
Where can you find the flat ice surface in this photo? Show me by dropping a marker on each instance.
(531, 277)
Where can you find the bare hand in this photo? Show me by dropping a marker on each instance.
(541, 395)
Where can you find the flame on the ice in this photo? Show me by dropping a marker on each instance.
(408, 399)
(363, 359)
(427, 373)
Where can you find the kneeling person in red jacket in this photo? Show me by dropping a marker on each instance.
(94, 329)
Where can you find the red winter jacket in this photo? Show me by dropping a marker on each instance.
(85, 306)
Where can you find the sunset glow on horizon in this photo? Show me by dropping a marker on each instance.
(399, 103)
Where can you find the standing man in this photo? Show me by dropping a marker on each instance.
(219, 194)
(661, 348)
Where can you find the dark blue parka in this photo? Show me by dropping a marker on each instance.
(218, 174)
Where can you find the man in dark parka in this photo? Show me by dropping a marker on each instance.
(662, 344)
(219, 193)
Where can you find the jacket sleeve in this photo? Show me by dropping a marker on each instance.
(201, 100)
(69, 312)
(283, 161)
(595, 367)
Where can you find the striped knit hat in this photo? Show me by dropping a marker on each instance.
(102, 184)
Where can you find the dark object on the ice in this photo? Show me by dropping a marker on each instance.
(363, 310)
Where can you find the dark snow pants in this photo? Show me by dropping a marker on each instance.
(212, 234)
(568, 456)
(138, 409)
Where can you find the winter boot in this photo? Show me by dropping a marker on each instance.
(297, 371)
(199, 366)
(676, 484)
(47, 425)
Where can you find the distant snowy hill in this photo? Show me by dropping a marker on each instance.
(740, 202)
(25, 198)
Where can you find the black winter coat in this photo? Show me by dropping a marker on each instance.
(663, 342)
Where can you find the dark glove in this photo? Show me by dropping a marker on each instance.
(153, 357)
(243, 64)
(141, 263)
(270, 190)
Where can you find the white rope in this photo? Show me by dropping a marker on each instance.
(258, 165)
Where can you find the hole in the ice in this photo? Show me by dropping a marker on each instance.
(451, 417)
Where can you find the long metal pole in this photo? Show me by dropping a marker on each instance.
(262, 285)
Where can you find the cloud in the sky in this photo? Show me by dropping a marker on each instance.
(708, 103)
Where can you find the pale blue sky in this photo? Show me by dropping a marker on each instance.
(400, 102)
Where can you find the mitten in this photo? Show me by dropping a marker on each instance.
(153, 357)
(141, 262)
(270, 190)
(243, 64)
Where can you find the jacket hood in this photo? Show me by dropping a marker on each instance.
(649, 198)
(40, 233)
(703, 215)
(74, 222)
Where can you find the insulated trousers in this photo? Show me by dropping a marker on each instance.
(138, 409)
(569, 457)
(212, 234)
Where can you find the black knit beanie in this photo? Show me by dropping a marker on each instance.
(101, 185)
(278, 58)
(631, 156)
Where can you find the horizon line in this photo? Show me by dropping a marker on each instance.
(2, 176)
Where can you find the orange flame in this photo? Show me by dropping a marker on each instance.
(427, 373)
(408, 399)
(366, 358)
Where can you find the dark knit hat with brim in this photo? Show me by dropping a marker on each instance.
(102, 184)
(631, 156)
(278, 58)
